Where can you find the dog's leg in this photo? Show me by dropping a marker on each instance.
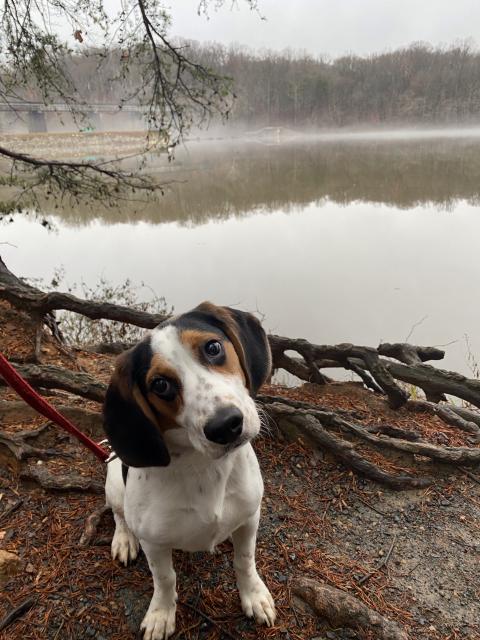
(124, 543)
(256, 598)
(159, 621)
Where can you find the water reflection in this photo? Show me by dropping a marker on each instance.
(220, 180)
(333, 242)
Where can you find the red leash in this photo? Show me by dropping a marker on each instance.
(31, 397)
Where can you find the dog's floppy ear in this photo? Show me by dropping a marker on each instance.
(248, 338)
(129, 422)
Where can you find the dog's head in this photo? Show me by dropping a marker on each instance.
(189, 385)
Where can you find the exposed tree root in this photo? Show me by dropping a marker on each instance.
(61, 482)
(382, 370)
(450, 415)
(50, 376)
(294, 421)
(344, 610)
(84, 419)
(22, 450)
(28, 298)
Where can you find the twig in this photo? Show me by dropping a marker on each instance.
(370, 506)
(17, 612)
(383, 563)
(211, 620)
(9, 510)
(471, 475)
(91, 525)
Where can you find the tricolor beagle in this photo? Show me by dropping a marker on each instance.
(179, 412)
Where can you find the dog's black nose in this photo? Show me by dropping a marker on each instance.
(225, 426)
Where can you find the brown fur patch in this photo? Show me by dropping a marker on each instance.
(195, 339)
(232, 332)
(165, 412)
(120, 375)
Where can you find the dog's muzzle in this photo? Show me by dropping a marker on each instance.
(226, 425)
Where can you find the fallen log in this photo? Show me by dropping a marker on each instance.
(341, 609)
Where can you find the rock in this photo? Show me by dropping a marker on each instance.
(10, 565)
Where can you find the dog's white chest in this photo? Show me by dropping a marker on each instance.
(193, 508)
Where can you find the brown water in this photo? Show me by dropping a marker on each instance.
(332, 240)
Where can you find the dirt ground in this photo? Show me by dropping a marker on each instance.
(318, 519)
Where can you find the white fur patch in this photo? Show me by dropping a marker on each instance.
(204, 391)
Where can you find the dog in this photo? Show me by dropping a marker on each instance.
(180, 415)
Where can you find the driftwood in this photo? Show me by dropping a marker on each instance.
(344, 610)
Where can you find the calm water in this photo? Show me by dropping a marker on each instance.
(331, 240)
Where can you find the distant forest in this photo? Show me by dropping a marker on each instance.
(419, 84)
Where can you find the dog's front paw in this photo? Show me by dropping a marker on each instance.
(257, 603)
(158, 624)
(124, 546)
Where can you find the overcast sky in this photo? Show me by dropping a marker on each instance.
(331, 27)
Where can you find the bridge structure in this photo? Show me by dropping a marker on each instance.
(37, 115)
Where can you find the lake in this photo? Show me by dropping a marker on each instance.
(351, 239)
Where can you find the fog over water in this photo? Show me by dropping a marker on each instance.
(331, 240)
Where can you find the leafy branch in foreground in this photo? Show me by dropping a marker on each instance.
(34, 178)
(158, 75)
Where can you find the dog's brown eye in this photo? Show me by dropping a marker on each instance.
(163, 388)
(214, 349)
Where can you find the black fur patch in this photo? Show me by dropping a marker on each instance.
(136, 441)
